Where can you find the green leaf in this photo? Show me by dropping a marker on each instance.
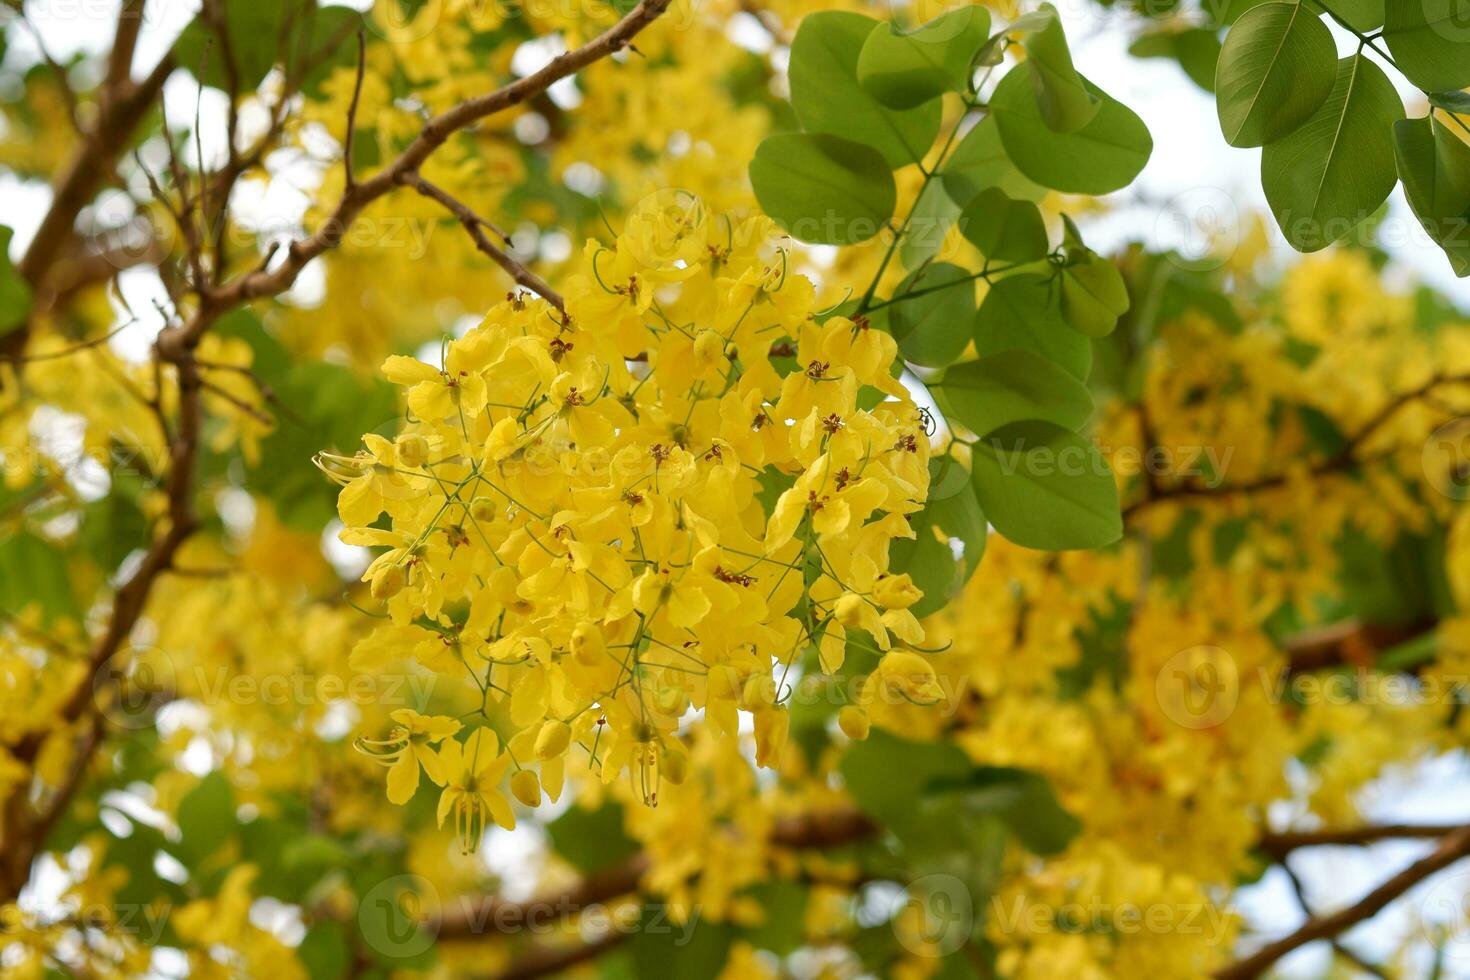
(664, 947)
(980, 162)
(254, 30)
(783, 904)
(1363, 15)
(1046, 488)
(1458, 102)
(1004, 229)
(15, 292)
(1101, 157)
(885, 774)
(1332, 174)
(206, 817)
(333, 44)
(826, 96)
(113, 526)
(1024, 312)
(933, 215)
(1196, 49)
(933, 328)
(823, 189)
(1430, 41)
(1024, 800)
(590, 840)
(1434, 165)
(1013, 386)
(1065, 103)
(323, 950)
(952, 511)
(904, 69)
(1276, 69)
(1093, 296)
(33, 570)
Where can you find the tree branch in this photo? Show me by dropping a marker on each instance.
(271, 282)
(476, 225)
(1452, 848)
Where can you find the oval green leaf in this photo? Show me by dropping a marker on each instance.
(826, 96)
(1277, 68)
(1065, 103)
(1093, 296)
(823, 189)
(1430, 42)
(1101, 157)
(1014, 386)
(903, 69)
(1024, 311)
(1335, 171)
(1047, 488)
(933, 328)
(980, 161)
(1004, 229)
(1434, 165)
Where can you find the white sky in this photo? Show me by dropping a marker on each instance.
(1192, 172)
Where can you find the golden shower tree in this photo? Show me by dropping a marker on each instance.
(668, 489)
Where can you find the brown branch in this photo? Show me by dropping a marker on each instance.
(475, 226)
(271, 282)
(120, 112)
(476, 916)
(547, 960)
(1452, 847)
(1337, 945)
(1344, 460)
(1279, 845)
(352, 109)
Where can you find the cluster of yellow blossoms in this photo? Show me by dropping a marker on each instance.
(678, 494)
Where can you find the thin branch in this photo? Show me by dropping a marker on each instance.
(1278, 845)
(475, 225)
(271, 282)
(1452, 848)
(491, 914)
(1345, 459)
(352, 109)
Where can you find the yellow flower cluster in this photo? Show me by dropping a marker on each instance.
(665, 498)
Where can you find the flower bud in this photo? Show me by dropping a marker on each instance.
(759, 692)
(413, 449)
(709, 347)
(483, 509)
(552, 740)
(526, 787)
(848, 609)
(910, 677)
(671, 701)
(853, 721)
(723, 682)
(674, 764)
(587, 644)
(896, 592)
(388, 581)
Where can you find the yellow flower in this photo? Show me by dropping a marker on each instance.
(409, 746)
(472, 774)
